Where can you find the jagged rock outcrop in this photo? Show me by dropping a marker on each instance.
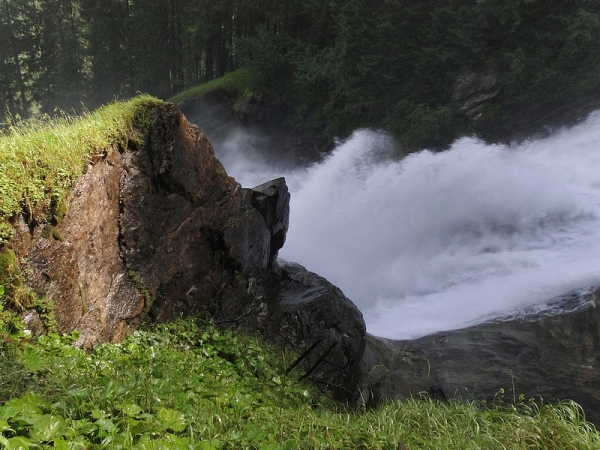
(272, 201)
(162, 231)
(547, 356)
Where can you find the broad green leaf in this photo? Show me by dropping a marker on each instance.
(47, 427)
(32, 360)
(171, 419)
(4, 426)
(20, 443)
(213, 444)
(130, 409)
(61, 444)
(24, 406)
(106, 425)
(83, 426)
(37, 400)
(98, 414)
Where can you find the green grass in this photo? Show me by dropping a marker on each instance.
(233, 83)
(40, 160)
(190, 385)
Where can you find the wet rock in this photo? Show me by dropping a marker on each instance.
(272, 201)
(472, 91)
(546, 356)
(304, 312)
(313, 317)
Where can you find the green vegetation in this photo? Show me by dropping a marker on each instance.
(234, 84)
(142, 290)
(189, 385)
(39, 160)
(19, 296)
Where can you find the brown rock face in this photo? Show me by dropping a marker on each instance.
(84, 274)
(179, 210)
(146, 233)
(163, 232)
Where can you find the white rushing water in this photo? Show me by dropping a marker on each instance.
(440, 241)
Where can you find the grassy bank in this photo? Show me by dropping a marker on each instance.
(190, 385)
(234, 84)
(39, 160)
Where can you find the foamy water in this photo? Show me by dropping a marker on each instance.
(440, 241)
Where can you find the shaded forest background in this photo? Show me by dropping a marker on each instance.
(339, 64)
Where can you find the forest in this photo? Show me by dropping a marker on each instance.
(338, 64)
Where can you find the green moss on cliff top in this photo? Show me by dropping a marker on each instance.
(233, 84)
(39, 160)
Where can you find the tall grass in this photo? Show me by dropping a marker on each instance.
(39, 160)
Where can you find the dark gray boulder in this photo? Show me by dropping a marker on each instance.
(313, 317)
(547, 356)
(272, 201)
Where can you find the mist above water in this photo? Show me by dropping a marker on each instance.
(440, 241)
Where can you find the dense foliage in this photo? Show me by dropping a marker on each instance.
(341, 63)
(189, 385)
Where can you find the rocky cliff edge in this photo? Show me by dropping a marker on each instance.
(161, 232)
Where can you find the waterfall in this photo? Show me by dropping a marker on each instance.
(440, 241)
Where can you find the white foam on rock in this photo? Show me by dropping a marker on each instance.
(440, 241)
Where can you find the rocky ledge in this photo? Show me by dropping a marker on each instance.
(547, 356)
(162, 231)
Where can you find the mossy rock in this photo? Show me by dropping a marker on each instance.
(7, 232)
(10, 274)
(11, 278)
(48, 231)
(58, 210)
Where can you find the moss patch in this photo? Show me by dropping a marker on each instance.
(142, 290)
(40, 160)
(58, 209)
(7, 232)
(11, 277)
